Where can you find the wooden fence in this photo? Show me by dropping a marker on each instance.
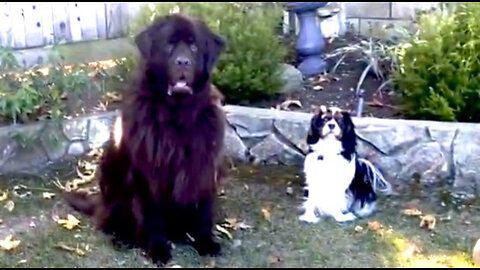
(25, 25)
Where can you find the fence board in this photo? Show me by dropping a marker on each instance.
(33, 25)
(117, 19)
(6, 38)
(18, 25)
(61, 23)
(74, 19)
(88, 20)
(101, 20)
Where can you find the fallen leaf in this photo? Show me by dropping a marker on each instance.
(69, 223)
(374, 225)
(48, 195)
(266, 214)
(8, 243)
(223, 230)
(412, 212)
(3, 195)
(76, 250)
(322, 78)
(428, 220)
(9, 206)
(476, 253)
(287, 103)
(233, 223)
(358, 228)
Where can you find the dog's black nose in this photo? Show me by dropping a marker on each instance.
(182, 61)
(331, 126)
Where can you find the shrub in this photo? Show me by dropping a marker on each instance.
(438, 69)
(248, 68)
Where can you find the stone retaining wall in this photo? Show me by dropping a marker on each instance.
(432, 152)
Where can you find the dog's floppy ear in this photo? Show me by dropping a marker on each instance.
(213, 47)
(144, 40)
(144, 43)
(313, 132)
(349, 138)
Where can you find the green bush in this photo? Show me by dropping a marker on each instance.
(438, 71)
(248, 68)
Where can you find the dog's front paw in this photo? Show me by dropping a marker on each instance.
(207, 247)
(309, 218)
(159, 252)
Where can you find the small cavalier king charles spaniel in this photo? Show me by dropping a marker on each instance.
(338, 183)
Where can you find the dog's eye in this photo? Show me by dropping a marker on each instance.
(193, 47)
(169, 48)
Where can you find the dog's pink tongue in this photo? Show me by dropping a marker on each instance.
(181, 84)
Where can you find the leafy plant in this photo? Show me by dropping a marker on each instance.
(378, 56)
(249, 67)
(38, 93)
(438, 69)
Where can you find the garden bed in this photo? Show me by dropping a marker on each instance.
(339, 88)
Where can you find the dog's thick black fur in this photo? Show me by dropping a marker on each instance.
(159, 182)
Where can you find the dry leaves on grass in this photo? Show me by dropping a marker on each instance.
(286, 105)
(3, 195)
(70, 223)
(9, 206)
(77, 250)
(412, 212)
(266, 214)
(8, 243)
(428, 221)
(374, 226)
(234, 224)
(48, 195)
(84, 177)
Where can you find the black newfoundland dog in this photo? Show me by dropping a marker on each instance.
(158, 184)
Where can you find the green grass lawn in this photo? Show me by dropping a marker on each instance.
(271, 235)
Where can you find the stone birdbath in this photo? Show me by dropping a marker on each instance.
(310, 42)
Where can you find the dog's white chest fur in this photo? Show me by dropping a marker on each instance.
(328, 175)
(326, 169)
